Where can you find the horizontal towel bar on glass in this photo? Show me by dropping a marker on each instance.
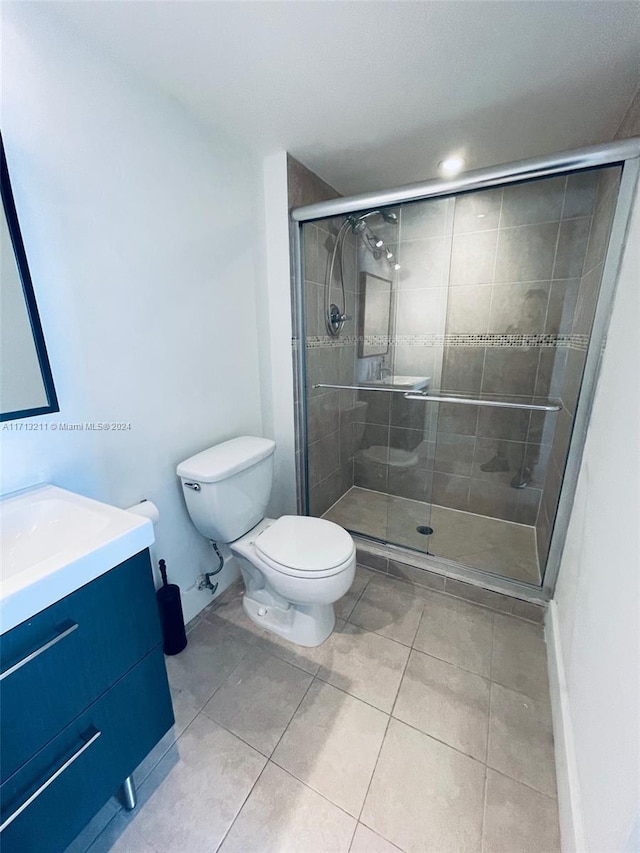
(551, 406)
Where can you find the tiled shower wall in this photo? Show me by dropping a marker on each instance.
(565, 379)
(485, 303)
(328, 360)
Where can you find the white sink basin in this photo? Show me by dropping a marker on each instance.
(413, 383)
(53, 541)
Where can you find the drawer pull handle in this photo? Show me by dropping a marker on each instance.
(49, 781)
(38, 652)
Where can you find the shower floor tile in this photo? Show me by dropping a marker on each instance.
(497, 546)
(381, 749)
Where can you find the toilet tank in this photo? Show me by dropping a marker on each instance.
(227, 487)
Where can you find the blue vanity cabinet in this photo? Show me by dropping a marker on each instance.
(83, 698)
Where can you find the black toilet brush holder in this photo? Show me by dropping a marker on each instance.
(174, 636)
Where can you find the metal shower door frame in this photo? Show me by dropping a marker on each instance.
(626, 154)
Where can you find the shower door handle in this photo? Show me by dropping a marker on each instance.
(551, 406)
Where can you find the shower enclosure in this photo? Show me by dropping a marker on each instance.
(448, 338)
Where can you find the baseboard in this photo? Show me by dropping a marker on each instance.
(569, 803)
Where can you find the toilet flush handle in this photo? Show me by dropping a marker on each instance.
(195, 486)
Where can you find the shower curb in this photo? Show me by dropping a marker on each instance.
(393, 561)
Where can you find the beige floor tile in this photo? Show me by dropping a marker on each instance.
(237, 621)
(258, 699)
(520, 657)
(518, 819)
(425, 796)
(300, 656)
(84, 840)
(521, 739)
(185, 713)
(344, 607)
(457, 632)
(284, 816)
(212, 652)
(121, 836)
(364, 664)
(231, 612)
(390, 608)
(446, 702)
(191, 797)
(367, 841)
(332, 744)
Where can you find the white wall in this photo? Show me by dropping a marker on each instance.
(276, 325)
(143, 235)
(595, 615)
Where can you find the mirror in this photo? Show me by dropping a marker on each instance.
(374, 314)
(26, 382)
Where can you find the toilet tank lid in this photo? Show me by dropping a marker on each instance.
(224, 460)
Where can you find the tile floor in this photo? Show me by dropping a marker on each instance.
(421, 725)
(503, 547)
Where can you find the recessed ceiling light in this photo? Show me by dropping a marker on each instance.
(451, 165)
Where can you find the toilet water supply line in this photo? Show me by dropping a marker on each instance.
(205, 581)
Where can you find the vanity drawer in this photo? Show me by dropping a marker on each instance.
(86, 763)
(57, 663)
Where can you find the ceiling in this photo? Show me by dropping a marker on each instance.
(372, 95)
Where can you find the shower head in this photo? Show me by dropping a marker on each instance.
(373, 242)
(358, 220)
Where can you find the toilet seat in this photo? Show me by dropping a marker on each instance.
(305, 547)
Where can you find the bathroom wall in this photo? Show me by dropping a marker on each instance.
(138, 227)
(565, 377)
(329, 359)
(593, 632)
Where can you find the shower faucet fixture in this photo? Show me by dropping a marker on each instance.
(335, 317)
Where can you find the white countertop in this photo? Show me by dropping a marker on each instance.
(53, 541)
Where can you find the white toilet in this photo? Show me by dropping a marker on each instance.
(293, 567)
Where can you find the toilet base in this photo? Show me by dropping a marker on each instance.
(306, 625)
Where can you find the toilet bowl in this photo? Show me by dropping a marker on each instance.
(295, 567)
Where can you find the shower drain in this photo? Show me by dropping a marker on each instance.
(424, 529)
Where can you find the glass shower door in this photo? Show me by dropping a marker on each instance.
(525, 268)
(490, 298)
(419, 322)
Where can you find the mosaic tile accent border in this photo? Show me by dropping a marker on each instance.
(577, 342)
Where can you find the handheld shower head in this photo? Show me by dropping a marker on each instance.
(358, 220)
(375, 244)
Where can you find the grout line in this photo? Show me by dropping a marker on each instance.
(352, 695)
(375, 767)
(493, 644)
(286, 729)
(489, 715)
(484, 807)
(239, 812)
(552, 797)
(326, 799)
(270, 650)
(355, 829)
